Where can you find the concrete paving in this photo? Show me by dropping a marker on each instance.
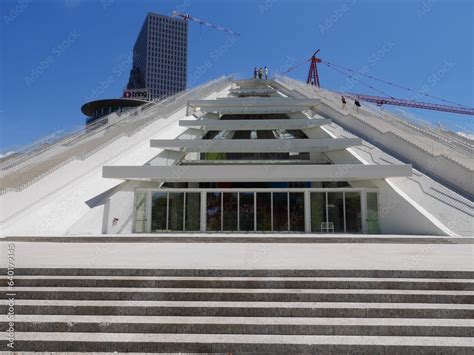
(365, 256)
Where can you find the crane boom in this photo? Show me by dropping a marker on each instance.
(187, 17)
(380, 100)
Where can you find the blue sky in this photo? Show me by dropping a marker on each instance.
(58, 54)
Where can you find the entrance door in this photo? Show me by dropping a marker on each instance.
(140, 212)
(296, 211)
(214, 211)
(264, 211)
(246, 211)
(372, 213)
(230, 210)
(280, 211)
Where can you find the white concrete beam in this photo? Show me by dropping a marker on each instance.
(252, 105)
(256, 145)
(253, 91)
(235, 125)
(257, 173)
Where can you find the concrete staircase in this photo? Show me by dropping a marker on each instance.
(260, 311)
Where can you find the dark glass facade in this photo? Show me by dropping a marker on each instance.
(160, 56)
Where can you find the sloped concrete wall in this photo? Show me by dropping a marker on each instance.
(57, 203)
(397, 215)
(454, 175)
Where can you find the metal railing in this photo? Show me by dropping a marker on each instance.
(52, 141)
(34, 164)
(428, 186)
(409, 128)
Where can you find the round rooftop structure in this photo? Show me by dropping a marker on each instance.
(99, 108)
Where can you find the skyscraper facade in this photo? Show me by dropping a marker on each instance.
(160, 56)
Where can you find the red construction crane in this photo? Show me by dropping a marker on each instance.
(313, 79)
(187, 17)
(313, 76)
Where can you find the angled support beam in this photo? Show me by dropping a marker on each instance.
(256, 145)
(242, 125)
(252, 173)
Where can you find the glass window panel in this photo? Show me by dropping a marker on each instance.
(193, 211)
(140, 212)
(158, 211)
(246, 214)
(336, 211)
(213, 211)
(297, 211)
(318, 210)
(230, 211)
(176, 211)
(264, 210)
(372, 213)
(353, 213)
(280, 211)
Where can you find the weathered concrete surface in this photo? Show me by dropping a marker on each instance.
(386, 256)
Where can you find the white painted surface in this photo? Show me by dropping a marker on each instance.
(57, 203)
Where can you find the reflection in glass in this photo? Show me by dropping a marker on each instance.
(193, 211)
(230, 211)
(140, 212)
(318, 210)
(246, 211)
(280, 211)
(176, 211)
(213, 211)
(158, 211)
(372, 213)
(353, 213)
(264, 210)
(297, 211)
(336, 210)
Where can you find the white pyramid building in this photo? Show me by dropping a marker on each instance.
(258, 156)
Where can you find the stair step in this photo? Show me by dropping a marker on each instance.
(259, 311)
(239, 294)
(291, 238)
(243, 282)
(124, 342)
(244, 325)
(242, 309)
(436, 274)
